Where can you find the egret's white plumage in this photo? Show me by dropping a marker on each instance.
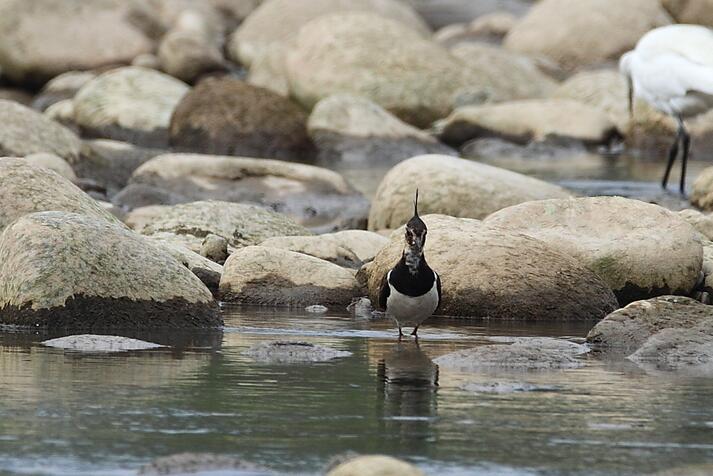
(671, 68)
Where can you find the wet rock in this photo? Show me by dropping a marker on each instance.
(452, 186)
(529, 120)
(384, 61)
(196, 463)
(507, 387)
(499, 274)
(276, 22)
(676, 349)
(541, 353)
(228, 116)
(215, 248)
(52, 162)
(26, 132)
(517, 75)
(110, 163)
(317, 309)
(99, 343)
(290, 352)
(375, 465)
(131, 103)
(67, 270)
(690, 11)
(351, 129)
(626, 329)
(639, 249)
(316, 197)
(277, 277)
(604, 89)
(44, 38)
(701, 222)
(349, 248)
(577, 34)
(241, 225)
(361, 307)
(62, 87)
(193, 47)
(26, 189)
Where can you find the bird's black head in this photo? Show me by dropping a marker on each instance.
(416, 231)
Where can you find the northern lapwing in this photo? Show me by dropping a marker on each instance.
(412, 290)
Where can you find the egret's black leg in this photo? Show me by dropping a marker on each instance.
(686, 145)
(415, 332)
(401, 334)
(672, 153)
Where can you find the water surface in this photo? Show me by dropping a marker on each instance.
(67, 413)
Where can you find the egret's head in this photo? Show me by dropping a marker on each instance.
(415, 232)
(625, 70)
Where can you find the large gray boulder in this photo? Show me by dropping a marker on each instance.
(25, 132)
(26, 189)
(242, 225)
(385, 61)
(584, 32)
(641, 250)
(352, 130)
(67, 270)
(315, 197)
(43, 38)
(278, 277)
(452, 186)
(131, 103)
(498, 274)
(276, 22)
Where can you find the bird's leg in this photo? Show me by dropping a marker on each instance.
(415, 332)
(672, 153)
(401, 334)
(686, 144)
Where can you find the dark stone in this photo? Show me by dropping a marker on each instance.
(99, 313)
(226, 116)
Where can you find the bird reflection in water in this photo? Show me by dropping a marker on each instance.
(407, 384)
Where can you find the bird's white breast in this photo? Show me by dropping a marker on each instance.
(410, 310)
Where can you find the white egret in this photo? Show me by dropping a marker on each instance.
(671, 68)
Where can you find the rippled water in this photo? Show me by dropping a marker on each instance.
(64, 413)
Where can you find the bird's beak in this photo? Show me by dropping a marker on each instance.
(630, 94)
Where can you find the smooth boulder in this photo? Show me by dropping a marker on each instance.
(375, 465)
(498, 274)
(242, 225)
(585, 32)
(349, 248)
(276, 277)
(529, 120)
(67, 270)
(292, 352)
(131, 103)
(227, 116)
(353, 130)
(452, 186)
(316, 197)
(641, 250)
(25, 132)
(275, 22)
(26, 189)
(44, 38)
(385, 61)
(702, 193)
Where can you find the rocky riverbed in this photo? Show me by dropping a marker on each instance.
(159, 160)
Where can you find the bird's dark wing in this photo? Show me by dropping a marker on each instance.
(384, 293)
(438, 288)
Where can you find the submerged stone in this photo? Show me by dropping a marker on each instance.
(99, 343)
(282, 352)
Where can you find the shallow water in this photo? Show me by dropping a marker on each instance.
(64, 413)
